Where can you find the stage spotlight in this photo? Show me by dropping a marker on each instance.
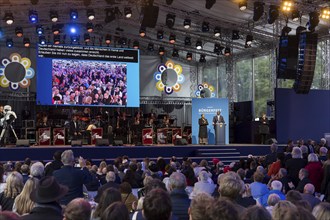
(89, 27)
(287, 6)
(40, 30)
(202, 58)
(161, 51)
(218, 49)
(209, 3)
(19, 31)
(295, 15)
(175, 53)
(90, 14)
(75, 38)
(172, 38)
(151, 47)
(199, 45)
(187, 41)
(53, 16)
(136, 44)
(160, 35)
(217, 32)
(9, 18)
(235, 35)
(73, 30)
(325, 13)
(55, 29)
(73, 14)
(142, 31)
(189, 56)
(9, 43)
(285, 31)
(273, 14)
(187, 23)
(227, 51)
(57, 39)
(169, 2)
(258, 10)
(42, 40)
(205, 26)
(108, 39)
(249, 40)
(313, 20)
(299, 30)
(87, 37)
(242, 5)
(122, 41)
(33, 16)
(128, 12)
(170, 20)
(26, 42)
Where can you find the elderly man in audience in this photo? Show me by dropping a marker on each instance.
(323, 154)
(303, 176)
(203, 185)
(276, 188)
(37, 170)
(308, 195)
(273, 199)
(72, 177)
(178, 195)
(199, 206)
(271, 158)
(294, 165)
(77, 209)
(110, 177)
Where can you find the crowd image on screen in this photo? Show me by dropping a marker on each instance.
(77, 82)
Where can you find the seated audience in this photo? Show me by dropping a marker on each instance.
(56, 164)
(285, 210)
(258, 189)
(277, 165)
(2, 179)
(37, 170)
(77, 209)
(108, 196)
(110, 178)
(293, 196)
(199, 206)
(157, 205)
(294, 165)
(222, 209)
(322, 211)
(45, 196)
(14, 186)
(303, 176)
(116, 211)
(314, 168)
(203, 185)
(273, 199)
(276, 188)
(256, 213)
(271, 158)
(308, 195)
(127, 197)
(25, 169)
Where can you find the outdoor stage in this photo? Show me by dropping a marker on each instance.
(226, 153)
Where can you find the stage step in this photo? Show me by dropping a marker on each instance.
(226, 155)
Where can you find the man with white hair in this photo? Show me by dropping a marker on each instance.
(110, 178)
(308, 195)
(276, 188)
(37, 170)
(323, 154)
(203, 185)
(294, 165)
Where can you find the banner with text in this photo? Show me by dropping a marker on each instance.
(209, 107)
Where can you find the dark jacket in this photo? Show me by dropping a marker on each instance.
(74, 179)
(42, 212)
(302, 184)
(54, 165)
(293, 167)
(6, 203)
(103, 188)
(180, 204)
(310, 199)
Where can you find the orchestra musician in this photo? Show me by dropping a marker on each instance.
(202, 135)
(137, 128)
(122, 127)
(166, 122)
(74, 128)
(43, 122)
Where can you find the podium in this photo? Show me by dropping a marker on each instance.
(44, 136)
(59, 136)
(97, 133)
(147, 136)
(220, 133)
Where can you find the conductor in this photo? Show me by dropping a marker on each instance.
(218, 119)
(202, 135)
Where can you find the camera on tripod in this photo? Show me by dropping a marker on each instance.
(6, 122)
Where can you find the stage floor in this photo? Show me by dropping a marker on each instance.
(226, 153)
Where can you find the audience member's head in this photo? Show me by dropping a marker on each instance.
(313, 158)
(241, 173)
(256, 213)
(57, 155)
(125, 188)
(293, 196)
(25, 169)
(273, 199)
(110, 177)
(67, 158)
(222, 209)
(322, 211)
(116, 211)
(203, 176)
(23, 202)
(157, 205)
(177, 181)
(303, 173)
(258, 177)
(230, 185)
(276, 185)
(77, 209)
(285, 210)
(108, 197)
(14, 185)
(303, 204)
(309, 188)
(37, 170)
(154, 184)
(296, 152)
(323, 151)
(198, 206)
(273, 148)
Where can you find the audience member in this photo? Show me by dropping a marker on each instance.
(127, 196)
(273, 199)
(45, 196)
(258, 189)
(285, 210)
(116, 211)
(322, 211)
(198, 206)
(222, 209)
(56, 164)
(37, 170)
(25, 169)
(72, 177)
(276, 188)
(325, 185)
(308, 195)
(271, 158)
(303, 176)
(314, 168)
(7, 215)
(2, 179)
(14, 186)
(108, 196)
(77, 209)
(293, 196)
(157, 205)
(256, 213)
(110, 178)
(277, 165)
(203, 185)
(294, 165)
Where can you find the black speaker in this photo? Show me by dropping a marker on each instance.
(287, 57)
(306, 62)
(181, 141)
(117, 143)
(76, 143)
(23, 143)
(150, 16)
(102, 142)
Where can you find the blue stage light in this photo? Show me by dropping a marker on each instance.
(9, 42)
(40, 30)
(73, 30)
(73, 14)
(42, 40)
(33, 16)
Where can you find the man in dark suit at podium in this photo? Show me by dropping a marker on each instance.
(218, 119)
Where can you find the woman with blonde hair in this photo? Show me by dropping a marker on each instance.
(23, 204)
(13, 188)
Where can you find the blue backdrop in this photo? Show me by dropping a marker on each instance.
(209, 107)
(302, 116)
